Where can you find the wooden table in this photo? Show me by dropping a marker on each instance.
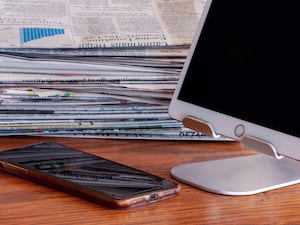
(23, 202)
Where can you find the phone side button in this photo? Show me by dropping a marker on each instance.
(138, 201)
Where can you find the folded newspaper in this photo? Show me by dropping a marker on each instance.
(97, 23)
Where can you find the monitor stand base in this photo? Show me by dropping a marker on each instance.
(243, 175)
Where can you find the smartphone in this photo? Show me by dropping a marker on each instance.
(88, 176)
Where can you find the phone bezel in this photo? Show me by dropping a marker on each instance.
(132, 200)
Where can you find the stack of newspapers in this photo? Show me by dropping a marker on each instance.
(96, 69)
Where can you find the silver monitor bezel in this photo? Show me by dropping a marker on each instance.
(285, 144)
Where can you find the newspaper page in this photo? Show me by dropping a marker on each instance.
(98, 23)
(170, 51)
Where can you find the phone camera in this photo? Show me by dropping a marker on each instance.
(153, 197)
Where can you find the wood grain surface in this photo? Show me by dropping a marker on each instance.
(23, 202)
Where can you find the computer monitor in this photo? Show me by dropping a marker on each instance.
(240, 80)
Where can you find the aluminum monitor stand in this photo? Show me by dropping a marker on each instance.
(243, 175)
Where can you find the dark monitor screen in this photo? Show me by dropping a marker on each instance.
(246, 63)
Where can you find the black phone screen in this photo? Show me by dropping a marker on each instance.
(89, 171)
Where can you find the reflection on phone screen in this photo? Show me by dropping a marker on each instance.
(105, 176)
